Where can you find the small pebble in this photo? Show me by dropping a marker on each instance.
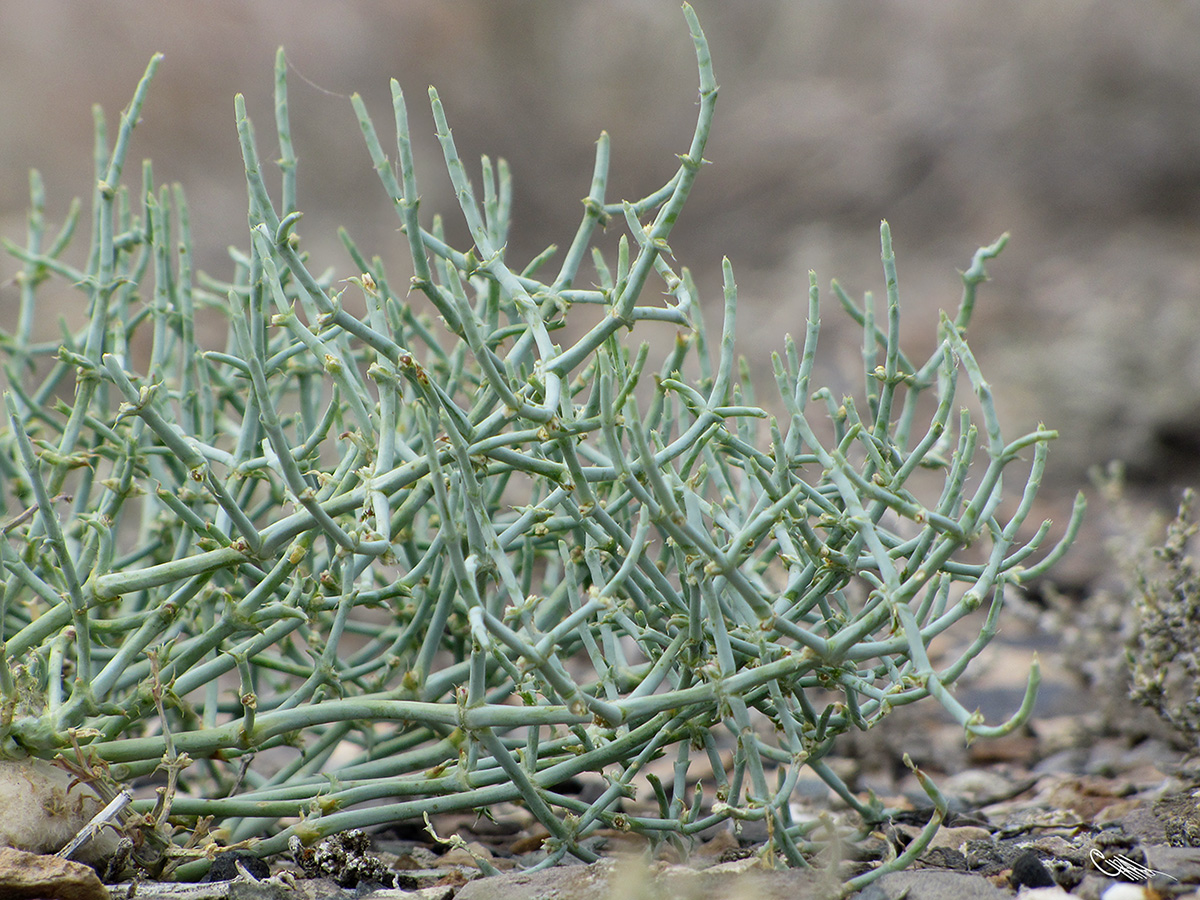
(1029, 872)
(1123, 890)
(225, 866)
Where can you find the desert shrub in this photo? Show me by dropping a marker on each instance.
(393, 550)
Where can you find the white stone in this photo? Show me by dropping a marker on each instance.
(43, 807)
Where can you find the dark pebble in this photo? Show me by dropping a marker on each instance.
(224, 866)
(1028, 871)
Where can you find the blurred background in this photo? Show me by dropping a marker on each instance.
(1072, 124)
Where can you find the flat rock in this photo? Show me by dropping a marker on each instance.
(930, 884)
(606, 879)
(564, 882)
(31, 876)
(1182, 863)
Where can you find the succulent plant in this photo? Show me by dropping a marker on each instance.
(399, 549)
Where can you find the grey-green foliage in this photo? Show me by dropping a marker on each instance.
(471, 561)
(1162, 652)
